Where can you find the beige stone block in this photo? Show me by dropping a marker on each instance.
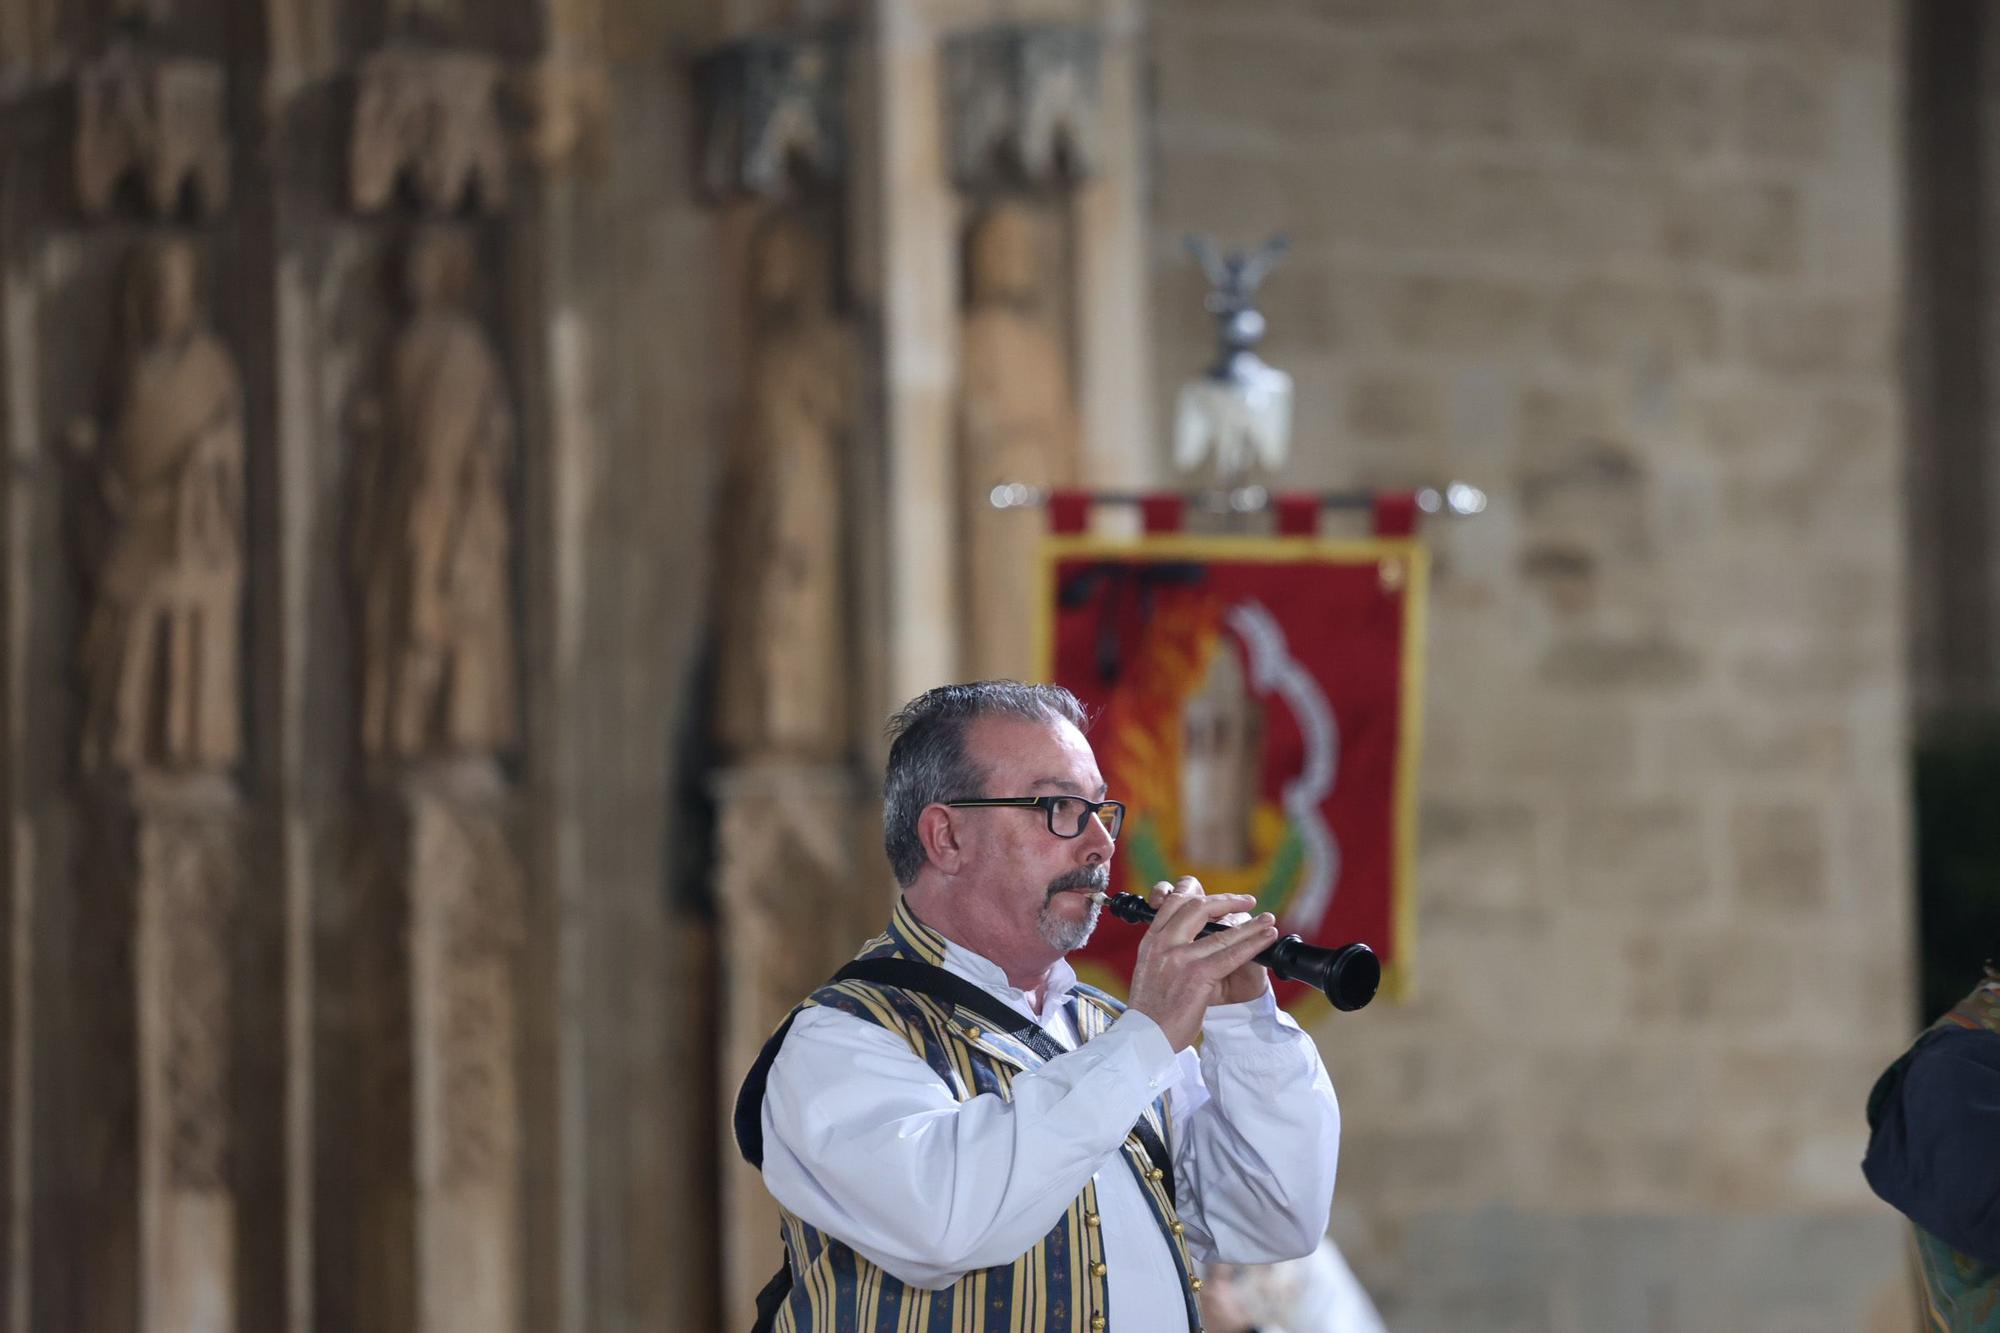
(1699, 743)
(1801, 501)
(1231, 194)
(1646, 659)
(1410, 1165)
(1644, 853)
(1623, 1124)
(1562, 570)
(1463, 313)
(1605, 320)
(1859, 430)
(1826, 337)
(1646, 102)
(1755, 419)
(1782, 110)
(1871, 841)
(1478, 857)
(1742, 227)
(1395, 406)
(1705, 978)
(1550, 421)
(1788, 664)
(1460, 88)
(1447, 1080)
(1256, 83)
(1779, 856)
(1570, 216)
(1402, 203)
(1575, 746)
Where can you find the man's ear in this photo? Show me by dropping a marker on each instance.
(939, 834)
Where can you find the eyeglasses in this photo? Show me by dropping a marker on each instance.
(1068, 816)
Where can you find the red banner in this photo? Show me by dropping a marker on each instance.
(1255, 705)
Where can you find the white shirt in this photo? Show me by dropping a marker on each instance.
(865, 1142)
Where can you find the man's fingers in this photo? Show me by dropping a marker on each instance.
(1239, 944)
(1218, 905)
(1180, 918)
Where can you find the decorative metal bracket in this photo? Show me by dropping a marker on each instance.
(771, 115)
(1233, 279)
(157, 120)
(427, 128)
(1238, 414)
(1023, 104)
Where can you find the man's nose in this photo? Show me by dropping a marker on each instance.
(1096, 840)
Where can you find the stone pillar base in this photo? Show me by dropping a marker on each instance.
(442, 1113)
(155, 1185)
(790, 910)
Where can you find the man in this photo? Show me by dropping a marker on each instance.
(936, 1170)
(1934, 1153)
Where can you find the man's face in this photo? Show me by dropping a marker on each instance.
(1037, 881)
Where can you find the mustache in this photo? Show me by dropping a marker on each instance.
(1096, 878)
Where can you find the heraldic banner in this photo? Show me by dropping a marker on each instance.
(1255, 704)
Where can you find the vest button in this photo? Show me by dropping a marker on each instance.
(1098, 1269)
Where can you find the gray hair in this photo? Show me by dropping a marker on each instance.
(927, 759)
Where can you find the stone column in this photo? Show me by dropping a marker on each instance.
(1023, 103)
(166, 861)
(156, 509)
(442, 910)
(788, 913)
(774, 158)
(439, 891)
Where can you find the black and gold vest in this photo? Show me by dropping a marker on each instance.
(1056, 1287)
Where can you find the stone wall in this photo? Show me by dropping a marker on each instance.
(1634, 269)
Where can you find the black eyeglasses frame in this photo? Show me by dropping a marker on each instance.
(1047, 805)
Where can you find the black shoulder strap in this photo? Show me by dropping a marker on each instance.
(921, 978)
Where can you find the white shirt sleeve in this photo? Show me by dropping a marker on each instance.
(1256, 1137)
(865, 1142)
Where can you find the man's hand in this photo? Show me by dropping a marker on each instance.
(1178, 976)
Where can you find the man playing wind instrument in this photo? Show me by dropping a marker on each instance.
(980, 1141)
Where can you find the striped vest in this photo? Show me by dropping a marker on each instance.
(1961, 1293)
(1056, 1287)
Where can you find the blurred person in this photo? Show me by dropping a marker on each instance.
(1317, 1293)
(991, 1144)
(1934, 1154)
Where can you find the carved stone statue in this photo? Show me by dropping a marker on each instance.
(159, 649)
(1221, 748)
(1016, 423)
(781, 590)
(1024, 103)
(432, 527)
(156, 120)
(428, 123)
(771, 115)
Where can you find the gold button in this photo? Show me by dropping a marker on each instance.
(1175, 1227)
(1090, 1220)
(1155, 1174)
(1097, 1269)
(1097, 1322)
(974, 1033)
(1195, 1283)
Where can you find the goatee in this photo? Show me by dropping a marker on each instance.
(1059, 932)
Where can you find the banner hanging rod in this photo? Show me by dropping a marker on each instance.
(1455, 499)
